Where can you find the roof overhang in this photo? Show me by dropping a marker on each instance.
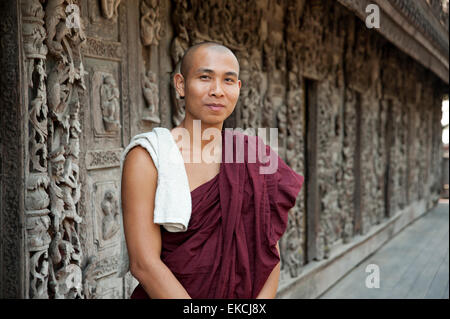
(413, 28)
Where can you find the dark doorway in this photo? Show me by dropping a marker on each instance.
(389, 136)
(357, 166)
(311, 191)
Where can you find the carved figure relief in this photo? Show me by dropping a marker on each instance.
(150, 22)
(106, 219)
(105, 104)
(109, 8)
(151, 94)
(110, 208)
(110, 103)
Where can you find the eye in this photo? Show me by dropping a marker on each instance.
(230, 80)
(204, 77)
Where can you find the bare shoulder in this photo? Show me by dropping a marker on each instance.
(139, 171)
(139, 158)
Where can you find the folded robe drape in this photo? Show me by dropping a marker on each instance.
(229, 248)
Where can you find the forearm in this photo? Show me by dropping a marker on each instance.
(160, 283)
(269, 290)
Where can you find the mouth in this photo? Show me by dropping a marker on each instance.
(215, 106)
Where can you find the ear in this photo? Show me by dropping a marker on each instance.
(239, 83)
(178, 80)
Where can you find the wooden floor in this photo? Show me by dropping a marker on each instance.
(413, 265)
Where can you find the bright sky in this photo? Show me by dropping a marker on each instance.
(444, 121)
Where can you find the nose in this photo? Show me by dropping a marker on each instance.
(216, 88)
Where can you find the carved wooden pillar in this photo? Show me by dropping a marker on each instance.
(42, 116)
(37, 198)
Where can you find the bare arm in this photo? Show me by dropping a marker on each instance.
(269, 290)
(143, 236)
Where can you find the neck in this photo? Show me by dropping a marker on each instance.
(196, 128)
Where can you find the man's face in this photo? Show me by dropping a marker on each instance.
(211, 86)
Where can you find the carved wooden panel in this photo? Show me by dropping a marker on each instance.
(106, 130)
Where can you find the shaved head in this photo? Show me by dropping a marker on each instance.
(208, 81)
(186, 61)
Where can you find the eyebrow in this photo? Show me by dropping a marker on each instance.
(204, 70)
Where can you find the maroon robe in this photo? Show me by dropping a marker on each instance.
(229, 249)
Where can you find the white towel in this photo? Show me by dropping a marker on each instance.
(173, 197)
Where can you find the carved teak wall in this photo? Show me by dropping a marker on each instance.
(357, 117)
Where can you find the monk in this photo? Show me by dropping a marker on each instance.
(230, 249)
